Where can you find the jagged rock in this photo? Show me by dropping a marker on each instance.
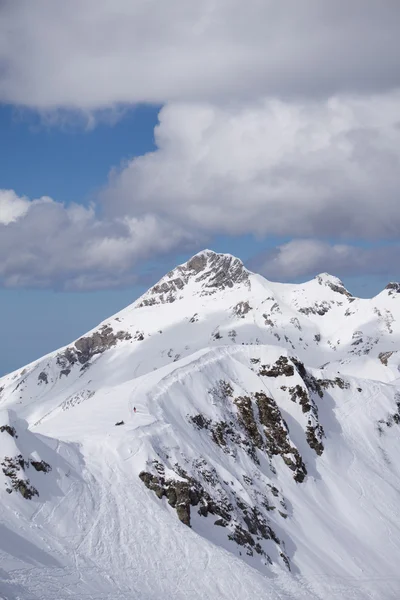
(200, 421)
(215, 271)
(318, 308)
(241, 309)
(40, 465)
(11, 468)
(281, 367)
(43, 378)
(9, 429)
(276, 433)
(247, 420)
(313, 441)
(88, 346)
(25, 489)
(393, 287)
(384, 357)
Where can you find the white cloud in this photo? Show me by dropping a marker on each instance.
(12, 207)
(307, 257)
(48, 244)
(280, 118)
(86, 54)
(294, 169)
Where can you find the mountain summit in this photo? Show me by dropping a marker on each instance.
(223, 437)
(204, 274)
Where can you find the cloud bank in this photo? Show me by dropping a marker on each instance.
(293, 169)
(90, 55)
(279, 119)
(48, 244)
(306, 257)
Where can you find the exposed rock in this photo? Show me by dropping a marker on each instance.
(334, 284)
(281, 367)
(247, 420)
(9, 429)
(241, 309)
(318, 308)
(313, 435)
(384, 357)
(214, 271)
(40, 465)
(42, 377)
(276, 433)
(88, 346)
(316, 385)
(11, 468)
(393, 288)
(120, 423)
(200, 421)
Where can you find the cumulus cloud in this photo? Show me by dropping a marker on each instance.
(91, 55)
(44, 243)
(12, 207)
(304, 170)
(307, 257)
(279, 118)
(327, 168)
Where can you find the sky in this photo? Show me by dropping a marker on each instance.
(135, 133)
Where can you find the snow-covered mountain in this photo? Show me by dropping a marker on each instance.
(262, 459)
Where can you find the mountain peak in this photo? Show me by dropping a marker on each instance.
(206, 272)
(334, 283)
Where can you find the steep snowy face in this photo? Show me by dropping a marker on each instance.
(264, 443)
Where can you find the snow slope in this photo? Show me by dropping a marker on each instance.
(262, 460)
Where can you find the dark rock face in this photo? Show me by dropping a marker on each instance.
(8, 429)
(247, 420)
(42, 377)
(336, 287)
(392, 419)
(276, 433)
(319, 308)
(316, 385)
(245, 525)
(87, 347)
(14, 469)
(241, 309)
(181, 495)
(11, 468)
(281, 367)
(214, 271)
(40, 465)
(313, 435)
(393, 288)
(384, 357)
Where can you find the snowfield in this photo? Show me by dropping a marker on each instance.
(262, 460)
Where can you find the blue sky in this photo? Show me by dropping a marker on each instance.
(124, 152)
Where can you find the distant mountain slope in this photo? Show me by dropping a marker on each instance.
(262, 459)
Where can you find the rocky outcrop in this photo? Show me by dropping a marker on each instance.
(393, 288)
(281, 367)
(334, 284)
(9, 429)
(211, 270)
(318, 308)
(12, 469)
(241, 309)
(245, 525)
(277, 438)
(384, 357)
(88, 346)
